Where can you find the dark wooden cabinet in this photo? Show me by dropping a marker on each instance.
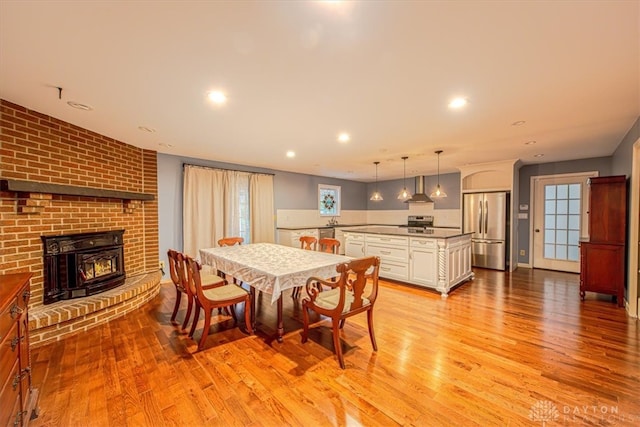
(17, 397)
(602, 266)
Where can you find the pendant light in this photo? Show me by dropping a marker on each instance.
(376, 196)
(439, 193)
(404, 194)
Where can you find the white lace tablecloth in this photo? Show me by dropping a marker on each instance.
(271, 268)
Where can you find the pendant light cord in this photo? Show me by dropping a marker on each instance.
(404, 172)
(438, 153)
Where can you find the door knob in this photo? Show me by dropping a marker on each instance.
(537, 230)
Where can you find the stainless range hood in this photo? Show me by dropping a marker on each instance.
(419, 196)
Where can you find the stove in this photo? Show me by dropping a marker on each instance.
(420, 221)
(419, 224)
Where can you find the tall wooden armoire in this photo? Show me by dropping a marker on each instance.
(602, 257)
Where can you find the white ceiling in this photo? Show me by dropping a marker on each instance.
(297, 73)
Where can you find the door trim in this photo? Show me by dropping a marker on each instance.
(532, 198)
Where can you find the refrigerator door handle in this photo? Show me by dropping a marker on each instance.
(486, 216)
(480, 217)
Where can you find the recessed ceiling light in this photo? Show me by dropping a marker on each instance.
(530, 142)
(291, 154)
(538, 155)
(217, 97)
(518, 123)
(146, 129)
(344, 137)
(79, 106)
(458, 102)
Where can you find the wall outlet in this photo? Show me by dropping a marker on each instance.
(161, 265)
(522, 252)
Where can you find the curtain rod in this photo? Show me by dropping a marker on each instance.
(226, 169)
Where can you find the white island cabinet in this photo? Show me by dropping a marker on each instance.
(423, 262)
(354, 244)
(438, 259)
(291, 237)
(393, 252)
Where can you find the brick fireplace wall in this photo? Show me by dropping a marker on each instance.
(37, 147)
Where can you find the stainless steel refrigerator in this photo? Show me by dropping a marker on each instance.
(486, 216)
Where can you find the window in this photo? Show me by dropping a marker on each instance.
(244, 210)
(329, 200)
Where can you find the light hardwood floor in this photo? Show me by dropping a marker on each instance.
(504, 349)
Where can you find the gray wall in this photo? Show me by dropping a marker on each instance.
(450, 183)
(621, 163)
(298, 191)
(600, 164)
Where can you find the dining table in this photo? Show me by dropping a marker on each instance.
(271, 268)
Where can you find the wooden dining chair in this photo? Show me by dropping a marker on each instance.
(355, 292)
(329, 245)
(180, 288)
(230, 241)
(222, 295)
(179, 279)
(308, 243)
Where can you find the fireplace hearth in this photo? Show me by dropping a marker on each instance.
(79, 265)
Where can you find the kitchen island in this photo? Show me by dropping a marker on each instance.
(439, 259)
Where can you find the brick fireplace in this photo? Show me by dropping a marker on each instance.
(59, 179)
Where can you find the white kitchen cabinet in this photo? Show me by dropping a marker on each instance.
(393, 252)
(289, 237)
(339, 235)
(423, 262)
(354, 245)
(458, 253)
(394, 270)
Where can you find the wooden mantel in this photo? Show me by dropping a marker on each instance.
(35, 196)
(69, 190)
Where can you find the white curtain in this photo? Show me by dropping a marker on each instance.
(203, 211)
(262, 213)
(223, 203)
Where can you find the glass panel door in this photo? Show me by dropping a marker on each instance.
(559, 220)
(562, 221)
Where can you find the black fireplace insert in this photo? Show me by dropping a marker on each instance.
(79, 265)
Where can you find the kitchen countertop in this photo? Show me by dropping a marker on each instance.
(435, 233)
(327, 226)
(363, 225)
